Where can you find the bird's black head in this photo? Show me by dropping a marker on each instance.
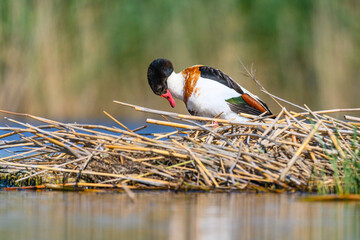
(158, 72)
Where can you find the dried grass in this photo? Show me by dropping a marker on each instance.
(290, 152)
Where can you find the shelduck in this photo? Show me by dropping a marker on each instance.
(206, 91)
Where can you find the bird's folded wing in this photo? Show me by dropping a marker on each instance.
(247, 104)
(217, 75)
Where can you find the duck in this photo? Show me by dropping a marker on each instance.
(206, 91)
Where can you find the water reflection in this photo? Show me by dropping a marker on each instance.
(57, 215)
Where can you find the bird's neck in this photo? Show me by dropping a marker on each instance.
(176, 83)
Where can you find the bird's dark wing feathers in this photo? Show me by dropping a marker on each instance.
(244, 108)
(240, 105)
(266, 107)
(219, 76)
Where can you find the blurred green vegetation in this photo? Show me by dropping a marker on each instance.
(71, 58)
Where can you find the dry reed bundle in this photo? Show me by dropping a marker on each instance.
(291, 152)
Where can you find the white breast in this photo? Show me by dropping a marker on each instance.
(209, 100)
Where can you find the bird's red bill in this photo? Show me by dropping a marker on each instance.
(168, 96)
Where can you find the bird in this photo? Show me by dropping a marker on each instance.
(206, 91)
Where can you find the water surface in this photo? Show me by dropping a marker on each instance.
(167, 215)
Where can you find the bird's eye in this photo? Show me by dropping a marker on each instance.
(159, 88)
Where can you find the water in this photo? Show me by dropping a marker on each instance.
(5, 151)
(167, 215)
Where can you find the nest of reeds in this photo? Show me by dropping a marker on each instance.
(291, 152)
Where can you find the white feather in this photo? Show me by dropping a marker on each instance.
(208, 98)
(176, 84)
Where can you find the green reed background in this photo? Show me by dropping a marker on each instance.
(70, 59)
